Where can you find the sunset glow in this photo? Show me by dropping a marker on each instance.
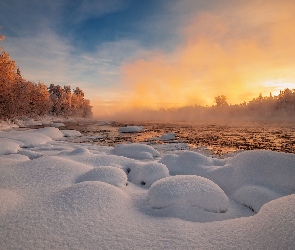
(216, 58)
(276, 86)
(171, 55)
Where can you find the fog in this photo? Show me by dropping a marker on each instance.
(278, 108)
(236, 50)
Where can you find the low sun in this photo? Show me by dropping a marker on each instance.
(276, 86)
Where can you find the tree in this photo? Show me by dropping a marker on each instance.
(221, 101)
(19, 97)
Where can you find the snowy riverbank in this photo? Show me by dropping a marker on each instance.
(57, 194)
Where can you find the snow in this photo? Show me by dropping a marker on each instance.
(136, 150)
(108, 174)
(71, 133)
(255, 196)
(102, 123)
(29, 139)
(57, 124)
(26, 122)
(7, 125)
(130, 129)
(188, 190)
(273, 170)
(146, 174)
(9, 146)
(58, 194)
(165, 137)
(53, 133)
(188, 163)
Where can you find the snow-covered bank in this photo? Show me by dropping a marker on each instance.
(56, 194)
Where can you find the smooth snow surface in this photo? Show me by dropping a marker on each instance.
(57, 194)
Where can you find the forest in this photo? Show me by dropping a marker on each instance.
(22, 98)
(261, 108)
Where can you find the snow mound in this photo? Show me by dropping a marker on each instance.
(108, 174)
(188, 190)
(136, 150)
(28, 139)
(26, 122)
(71, 133)
(102, 123)
(12, 159)
(168, 136)
(187, 163)
(30, 153)
(42, 175)
(273, 226)
(269, 169)
(91, 196)
(8, 146)
(76, 152)
(130, 129)
(57, 124)
(255, 196)
(165, 137)
(98, 160)
(53, 133)
(146, 174)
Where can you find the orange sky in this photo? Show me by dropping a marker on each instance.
(236, 50)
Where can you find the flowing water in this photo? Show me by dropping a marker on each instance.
(220, 138)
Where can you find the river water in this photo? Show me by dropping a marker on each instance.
(220, 138)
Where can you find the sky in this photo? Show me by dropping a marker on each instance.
(154, 53)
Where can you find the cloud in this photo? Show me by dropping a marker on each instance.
(97, 8)
(25, 18)
(231, 49)
(53, 59)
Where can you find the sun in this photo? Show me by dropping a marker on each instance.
(275, 86)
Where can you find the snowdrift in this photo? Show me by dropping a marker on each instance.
(56, 194)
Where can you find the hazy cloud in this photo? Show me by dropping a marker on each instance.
(231, 50)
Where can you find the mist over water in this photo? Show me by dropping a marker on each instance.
(222, 52)
(277, 109)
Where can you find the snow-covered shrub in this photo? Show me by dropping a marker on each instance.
(53, 133)
(274, 170)
(146, 174)
(189, 190)
(108, 174)
(136, 150)
(186, 163)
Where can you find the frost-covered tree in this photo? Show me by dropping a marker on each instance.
(19, 97)
(221, 101)
(8, 79)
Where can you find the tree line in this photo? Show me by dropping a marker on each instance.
(261, 108)
(19, 97)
